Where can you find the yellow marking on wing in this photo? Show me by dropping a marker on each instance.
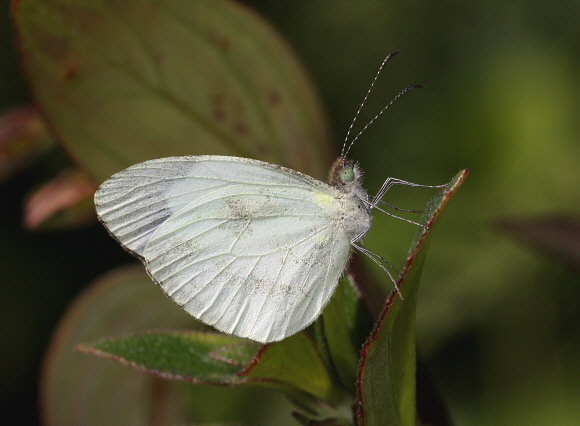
(324, 200)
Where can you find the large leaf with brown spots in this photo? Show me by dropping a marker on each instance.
(124, 82)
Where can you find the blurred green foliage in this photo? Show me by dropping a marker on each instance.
(497, 321)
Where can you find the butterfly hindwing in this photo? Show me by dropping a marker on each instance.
(254, 261)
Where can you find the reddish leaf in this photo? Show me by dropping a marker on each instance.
(65, 201)
(23, 137)
(386, 380)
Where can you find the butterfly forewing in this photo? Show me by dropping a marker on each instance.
(254, 249)
(134, 202)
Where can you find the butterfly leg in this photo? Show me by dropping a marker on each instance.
(390, 182)
(370, 254)
(398, 217)
(381, 262)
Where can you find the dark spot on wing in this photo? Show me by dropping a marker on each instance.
(238, 209)
(286, 289)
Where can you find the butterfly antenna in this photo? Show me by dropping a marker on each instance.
(345, 150)
(401, 93)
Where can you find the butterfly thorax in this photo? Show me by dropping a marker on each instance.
(346, 176)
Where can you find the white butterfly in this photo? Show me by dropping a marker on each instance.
(251, 248)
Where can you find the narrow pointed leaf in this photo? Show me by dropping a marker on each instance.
(187, 356)
(123, 82)
(386, 380)
(555, 235)
(212, 358)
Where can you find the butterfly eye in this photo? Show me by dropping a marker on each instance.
(346, 174)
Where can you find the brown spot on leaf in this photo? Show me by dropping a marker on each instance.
(60, 51)
(263, 150)
(218, 99)
(219, 114)
(69, 72)
(159, 58)
(275, 98)
(218, 106)
(240, 129)
(220, 41)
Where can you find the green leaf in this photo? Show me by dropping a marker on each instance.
(196, 357)
(386, 381)
(308, 421)
(213, 358)
(124, 300)
(345, 320)
(292, 365)
(296, 363)
(123, 82)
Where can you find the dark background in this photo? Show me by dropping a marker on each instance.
(497, 320)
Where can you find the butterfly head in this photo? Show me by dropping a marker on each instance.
(345, 175)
